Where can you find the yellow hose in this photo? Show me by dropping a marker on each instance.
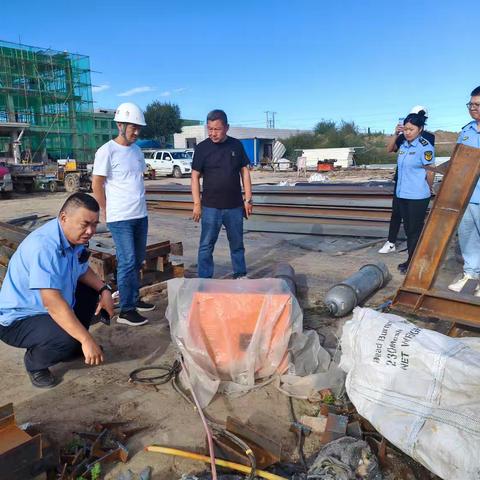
(219, 462)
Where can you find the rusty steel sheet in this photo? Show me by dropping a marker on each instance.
(354, 228)
(294, 219)
(19, 452)
(366, 229)
(330, 188)
(354, 201)
(343, 209)
(456, 308)
(266, 450)
(417, 294)
(294, 210)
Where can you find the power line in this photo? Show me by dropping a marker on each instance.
(270, 119)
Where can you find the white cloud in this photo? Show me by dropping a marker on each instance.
(100, 88)
(134, 91)
(168, 93)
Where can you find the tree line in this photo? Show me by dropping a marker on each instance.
(164, 119)
(370, 146)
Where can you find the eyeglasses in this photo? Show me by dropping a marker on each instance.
(472, 106)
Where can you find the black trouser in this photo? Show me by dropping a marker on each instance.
(395, 220)
(46, 342)
(413, 215)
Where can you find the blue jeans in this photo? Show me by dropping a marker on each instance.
(212, 221)
(130, 237)
(469, 239)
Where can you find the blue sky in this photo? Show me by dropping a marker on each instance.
(366, 61)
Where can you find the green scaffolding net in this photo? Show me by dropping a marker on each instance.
(52, 92)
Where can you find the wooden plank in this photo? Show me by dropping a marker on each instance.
(156, 264)
(178, 270)
(103, 264)
(157, 250)
(176, 248)
(12, 233)
(150, 277)
(6, 253)
(161, 264)
(3, 272)
(154, 288)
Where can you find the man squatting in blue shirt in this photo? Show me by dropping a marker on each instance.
(50, 294)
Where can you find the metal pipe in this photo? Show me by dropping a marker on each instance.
(343, 297)
(221, 463)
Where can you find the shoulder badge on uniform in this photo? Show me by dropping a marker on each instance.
(401, 152)
(465, 137)
(423, 141)
(428, 155)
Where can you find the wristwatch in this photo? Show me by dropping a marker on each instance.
(249, 201)
(105, 287)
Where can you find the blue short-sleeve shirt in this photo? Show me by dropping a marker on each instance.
(470, 135)
(412, 177)
(45, 259)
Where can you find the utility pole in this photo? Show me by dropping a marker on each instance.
(270, 119)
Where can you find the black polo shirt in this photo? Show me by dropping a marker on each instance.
(220, 165)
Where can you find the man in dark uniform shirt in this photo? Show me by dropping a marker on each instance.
(221, 161)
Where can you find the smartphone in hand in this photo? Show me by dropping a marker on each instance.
(103, 317)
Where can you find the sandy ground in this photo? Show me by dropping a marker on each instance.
(88, 395)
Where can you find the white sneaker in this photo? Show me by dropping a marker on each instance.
(388, 247)
(459, 284)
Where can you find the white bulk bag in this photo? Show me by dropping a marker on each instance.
(420, 389)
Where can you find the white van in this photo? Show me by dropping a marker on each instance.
(168, 162)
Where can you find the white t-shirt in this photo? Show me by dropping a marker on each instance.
(123, 168)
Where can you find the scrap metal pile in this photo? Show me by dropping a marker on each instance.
(351, 209)
(88, 451)
(25, 455)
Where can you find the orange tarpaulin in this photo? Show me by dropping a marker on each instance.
(233, 334)
(226, 324)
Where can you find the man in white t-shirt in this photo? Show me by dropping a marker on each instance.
(119, 189)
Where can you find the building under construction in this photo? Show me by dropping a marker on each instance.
(47, 95)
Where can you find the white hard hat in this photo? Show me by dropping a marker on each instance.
(129, 113)
(419, 108)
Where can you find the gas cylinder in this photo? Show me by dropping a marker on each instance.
(343, 297)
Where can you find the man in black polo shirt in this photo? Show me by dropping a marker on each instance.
(221, 161)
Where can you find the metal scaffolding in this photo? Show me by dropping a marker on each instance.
(50, 91)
